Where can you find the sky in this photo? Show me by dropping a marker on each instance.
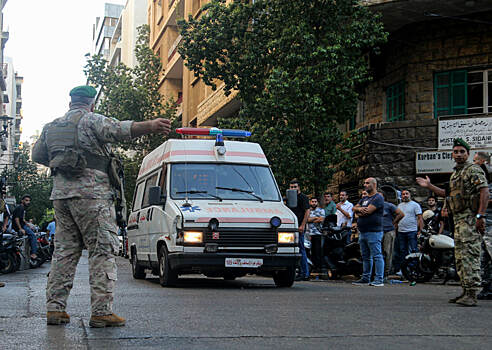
(48, 41)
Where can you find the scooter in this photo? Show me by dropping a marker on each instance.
(341, 257)
(436, 257)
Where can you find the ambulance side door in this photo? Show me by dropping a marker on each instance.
(145, 215)
(135, 234)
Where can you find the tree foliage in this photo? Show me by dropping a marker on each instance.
(132, 94)
(297, 67)
(24, 178)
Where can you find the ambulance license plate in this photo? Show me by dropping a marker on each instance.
(243, 262)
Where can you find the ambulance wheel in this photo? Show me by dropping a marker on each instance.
(284, 278)
(138, 271)
(167, 276)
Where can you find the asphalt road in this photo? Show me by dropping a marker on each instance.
(249, 313)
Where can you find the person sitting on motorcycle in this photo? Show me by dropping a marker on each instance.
(20, 225)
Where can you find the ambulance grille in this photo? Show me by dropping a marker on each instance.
(242, 239)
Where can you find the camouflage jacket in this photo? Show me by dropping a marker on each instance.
(471, 178)
(95, 133)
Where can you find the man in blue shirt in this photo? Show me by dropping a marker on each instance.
(51, 229)
(370, 224)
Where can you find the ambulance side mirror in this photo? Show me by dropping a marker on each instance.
(156, 197)
(292, 198)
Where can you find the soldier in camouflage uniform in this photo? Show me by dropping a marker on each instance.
(483, 159)
(467, 198)
(84, 207)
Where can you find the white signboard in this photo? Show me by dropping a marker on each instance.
(437, 162)
(477, 132)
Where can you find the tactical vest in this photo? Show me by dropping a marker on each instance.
(65, 154)
(461, 198)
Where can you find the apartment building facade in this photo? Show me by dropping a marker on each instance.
(198, 104)
(124, 38)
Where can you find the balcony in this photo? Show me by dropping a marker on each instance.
(216, 105)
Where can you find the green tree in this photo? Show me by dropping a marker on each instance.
(24, 178)
(132, 94)
(297, 66)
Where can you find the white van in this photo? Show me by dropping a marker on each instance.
(211, 207)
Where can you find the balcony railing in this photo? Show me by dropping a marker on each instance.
(174, 48)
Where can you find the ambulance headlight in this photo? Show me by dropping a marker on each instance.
(286, 238)
(192, 237)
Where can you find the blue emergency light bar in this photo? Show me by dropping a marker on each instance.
(213, 132)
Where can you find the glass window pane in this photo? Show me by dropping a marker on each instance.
(476, 77)
(459, 96)
(442, 79)
(475, 96)
(443, 97)
(490, 75)
(459, 77)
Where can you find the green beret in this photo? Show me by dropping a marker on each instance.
(83, 91)
(460, 142)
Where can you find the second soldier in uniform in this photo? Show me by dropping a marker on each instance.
(467, 198)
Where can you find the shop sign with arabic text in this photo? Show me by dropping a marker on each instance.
(476, 131)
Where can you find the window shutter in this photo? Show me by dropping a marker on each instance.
(450, 93)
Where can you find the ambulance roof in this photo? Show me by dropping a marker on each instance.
(203, 151)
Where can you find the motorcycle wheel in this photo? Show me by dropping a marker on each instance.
(412, 272)
(7, 263)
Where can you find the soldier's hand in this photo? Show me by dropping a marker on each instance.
(161, 126)
(423, 182)
(480, 226)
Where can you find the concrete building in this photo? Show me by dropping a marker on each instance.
(104, 28)
(124, 39)
(10, 124)
(198, 105)
(432, 83)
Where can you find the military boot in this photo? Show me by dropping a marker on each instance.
(453, 300)
(57, 317)
(107, 321)
(470, 298)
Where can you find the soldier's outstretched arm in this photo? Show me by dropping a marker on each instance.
(155, 126)
(426, 183)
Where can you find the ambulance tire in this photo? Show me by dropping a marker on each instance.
(285, 278)
(138, 272)
(167, 276)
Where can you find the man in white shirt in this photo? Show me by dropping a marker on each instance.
(409, 227)
(344, 211)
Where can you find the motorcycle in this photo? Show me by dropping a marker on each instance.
(341, 256)
(436, 257)
(10, 255)
(44, 248)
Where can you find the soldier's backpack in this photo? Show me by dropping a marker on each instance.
(65, 154)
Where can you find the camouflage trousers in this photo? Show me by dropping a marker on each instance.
(467, 247)
(83, 223)
(486, 261)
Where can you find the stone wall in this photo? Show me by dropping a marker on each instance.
(415, 53)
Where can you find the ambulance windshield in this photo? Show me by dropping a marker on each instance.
(226, 181)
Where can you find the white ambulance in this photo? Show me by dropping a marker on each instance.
(211, 207)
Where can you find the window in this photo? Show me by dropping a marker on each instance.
(462, 92)
(226, 181)
(137, 197)
(151, 181)
(395, 102)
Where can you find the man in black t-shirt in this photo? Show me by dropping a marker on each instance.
(19, 224)
(302, 213)
(370, 210)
